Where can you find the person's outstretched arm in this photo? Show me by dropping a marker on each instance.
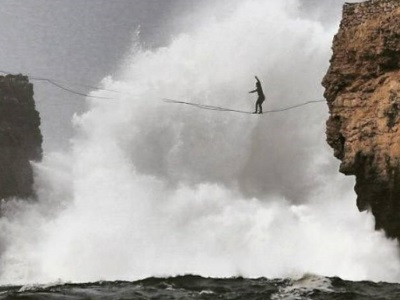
(255, 89)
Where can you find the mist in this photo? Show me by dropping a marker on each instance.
(156, 189)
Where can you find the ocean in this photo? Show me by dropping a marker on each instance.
(153, 189)
(196, 287)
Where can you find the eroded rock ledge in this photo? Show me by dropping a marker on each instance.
(363, 94)
(20, 136)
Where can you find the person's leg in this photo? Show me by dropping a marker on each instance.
(260, 105)
(256, 107)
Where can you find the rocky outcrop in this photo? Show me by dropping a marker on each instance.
(363, 94)
(20, 137)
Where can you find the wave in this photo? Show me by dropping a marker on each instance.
(308, 286)
(151, 189)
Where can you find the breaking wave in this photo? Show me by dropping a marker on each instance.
(151, 189)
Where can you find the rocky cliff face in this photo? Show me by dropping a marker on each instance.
(20, 137)
(363, 95)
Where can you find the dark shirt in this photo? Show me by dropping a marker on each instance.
(259, 90)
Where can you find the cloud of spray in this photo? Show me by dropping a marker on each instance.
(160, 189)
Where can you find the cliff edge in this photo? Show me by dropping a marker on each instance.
(20, 136)
(362, 88)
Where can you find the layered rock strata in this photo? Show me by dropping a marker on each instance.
(20, 136)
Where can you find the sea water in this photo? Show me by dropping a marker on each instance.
(152, 190)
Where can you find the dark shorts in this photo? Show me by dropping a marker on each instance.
(261, 99)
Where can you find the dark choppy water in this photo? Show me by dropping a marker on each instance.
(196, 287)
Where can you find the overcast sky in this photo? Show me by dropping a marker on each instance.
(82, 41)
(145, 185)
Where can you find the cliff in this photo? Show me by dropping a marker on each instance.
(362, 89)
(20, 136)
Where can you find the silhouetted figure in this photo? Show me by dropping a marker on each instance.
(261, 96)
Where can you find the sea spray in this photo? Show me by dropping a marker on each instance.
(152, 189)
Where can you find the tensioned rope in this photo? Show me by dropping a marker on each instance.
(68, 89)
(217, 108)
(196, 105)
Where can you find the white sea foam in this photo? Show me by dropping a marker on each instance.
(158, 189)
(302, 287)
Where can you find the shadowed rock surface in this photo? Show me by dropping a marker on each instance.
(363, 94)
(20, 136)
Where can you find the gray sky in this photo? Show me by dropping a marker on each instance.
(82, 41)
(156, 179)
